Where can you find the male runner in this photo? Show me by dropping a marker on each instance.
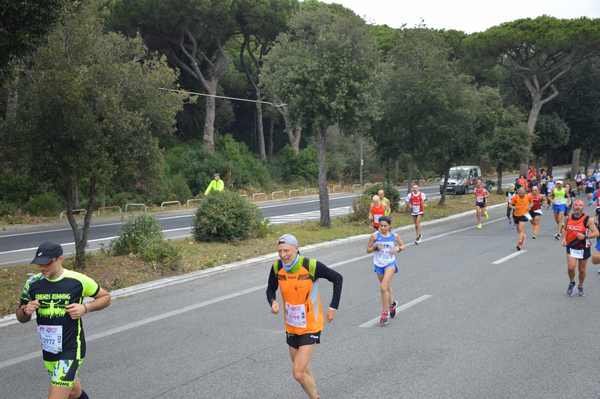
(559, 206)
(550, 184)
(415, 201)
(387, 205)
(536, 210)
(296, 277)
(590, 187)
(579, 229)
(386, 246)
(56, 296)
(579, 179)
(521, 206)
(596, 198)
(481, 195)
(376, 211)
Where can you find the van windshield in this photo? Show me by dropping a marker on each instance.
(458, 173)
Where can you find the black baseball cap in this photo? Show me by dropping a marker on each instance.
(46, 252)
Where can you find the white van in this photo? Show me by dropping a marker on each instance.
(461, 179)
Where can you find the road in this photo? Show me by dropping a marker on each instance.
(484, 323)
(19, 246)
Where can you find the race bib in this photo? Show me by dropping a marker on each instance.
(576, 253)
(386, 253)
(295, 315)
(480, 199)
(416, 209)
(51, 338)
(376, 218)
(528, 216)
(538, 212)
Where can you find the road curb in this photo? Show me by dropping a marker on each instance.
(184, 278)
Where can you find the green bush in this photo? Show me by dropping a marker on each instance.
(17, 188)
(162, 255)
(45, 204)
(304, 166)
(360, 209)
(121, 199)
(179, 189)
(226, 216)
(390, 193)
(7, 208)
(135, 234)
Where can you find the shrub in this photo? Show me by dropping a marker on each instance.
(162, 255)
(360, 209)
(304, 166)
(226, 216)
(136, 233)
(179, 189)
(121, 199)
(390, 193)
(45, 204)
(16, 188)
(7, 208)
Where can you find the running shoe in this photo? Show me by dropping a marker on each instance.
(518, 247)
(533, 236)
(486, 214)
(479, 226)
(580, 291)
(557, 236)
(419, 239)
(384, 320)
(571, 288)
(393, 307)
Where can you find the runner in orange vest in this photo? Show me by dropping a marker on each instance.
(579, 229)
(296, 277)
(376, 212)
(521, 204)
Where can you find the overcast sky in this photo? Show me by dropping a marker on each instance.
(466, 15)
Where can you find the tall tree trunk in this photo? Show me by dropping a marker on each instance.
(323, 190)
(271, 140)
(499, 178)
(81, 236)
(260, 131)
(293, 131)
(587, 161)
(209, 120)
(549, 163)
(575, 162)
(12, 100)
(445, 184)
(411, 174)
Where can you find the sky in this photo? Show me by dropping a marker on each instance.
(466, 15)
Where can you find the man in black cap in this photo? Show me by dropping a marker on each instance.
(56, 296)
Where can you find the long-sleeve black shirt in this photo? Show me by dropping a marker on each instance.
(321, 271)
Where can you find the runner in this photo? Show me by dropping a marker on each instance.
(521, 205)
(531, 175)
(385, 202)
(571, 196)
(509, 194)
(56, 295)
(522, 182)
(481, 195)
(578, 230)
(386, 246)
(536, 210)
(579, 179)
(559, 206)
(596, 256)
(550, 184)
(590, 187)
(296, 277)
(415, 201)
(376, 211)
(543, 182)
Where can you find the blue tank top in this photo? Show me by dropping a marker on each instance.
(386, 254)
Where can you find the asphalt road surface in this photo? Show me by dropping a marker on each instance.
(479, 322)
(19, 246)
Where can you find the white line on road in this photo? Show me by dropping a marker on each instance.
(401, 308)
(509, 257)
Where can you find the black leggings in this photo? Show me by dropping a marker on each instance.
(508, 212)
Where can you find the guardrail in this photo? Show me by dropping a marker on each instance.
(311, 190)
(74, 211)
(167, 203)
(192, 201)
(256, 196)
(143, 206)
(291, 193)
(277, 193)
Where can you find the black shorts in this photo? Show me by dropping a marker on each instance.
(533, 214)
(296, 341)
(518, 219)
(480, 204)
(587, 252)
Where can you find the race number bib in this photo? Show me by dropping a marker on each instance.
(51, 338)
(538, 212)
(528, 217)
(576, 253)
(295, 315)
(376, 218)
(416, 209)
(480, 199)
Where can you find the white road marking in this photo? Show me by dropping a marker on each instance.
(401, 308)
(509, 257)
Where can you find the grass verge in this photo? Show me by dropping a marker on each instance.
(113, 272)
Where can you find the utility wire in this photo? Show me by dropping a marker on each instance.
(223, 97)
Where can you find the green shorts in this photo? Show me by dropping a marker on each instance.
(63, 373)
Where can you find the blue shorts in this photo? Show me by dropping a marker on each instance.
(381, 270)
(598, 245)
(559, 208)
